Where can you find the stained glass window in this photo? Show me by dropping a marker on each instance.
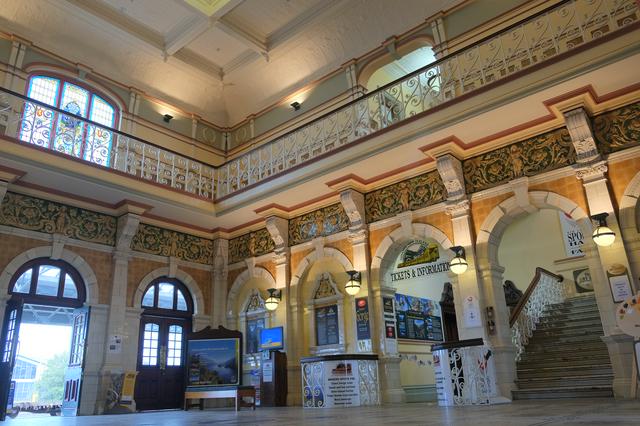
(70, 135)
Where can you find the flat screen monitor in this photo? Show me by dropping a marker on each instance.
(271, 339)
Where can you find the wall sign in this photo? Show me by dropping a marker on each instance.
(418, 318)
(572, 235)
(362, 318)
(327, 328)
(472, 312)
(628, 316)
(582, 279)
(619, 282)
(387, 305)
(419, 259)
(253, 335)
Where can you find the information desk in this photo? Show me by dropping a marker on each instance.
(348, 380)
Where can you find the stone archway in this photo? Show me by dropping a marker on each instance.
(239, 282)
(629, 221)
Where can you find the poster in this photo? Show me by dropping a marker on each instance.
(619, 282)
(327, 327)
(213, 362)
(572, 235)
(267, 371)
(363, 330)
(418, 318)
(387, 305)
(342, 384)
(252, 335)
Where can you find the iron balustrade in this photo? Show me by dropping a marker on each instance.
(35, 123)
(553, 32)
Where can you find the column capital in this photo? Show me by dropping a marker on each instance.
(458, 208)
(592, 172)
(282, 258)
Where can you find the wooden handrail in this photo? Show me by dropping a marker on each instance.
(529, 292)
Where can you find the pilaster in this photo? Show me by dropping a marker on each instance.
(219, 284)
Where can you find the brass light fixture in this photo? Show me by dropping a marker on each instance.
(602, 235)
(273, 300)
(352, 287)
(458, 264)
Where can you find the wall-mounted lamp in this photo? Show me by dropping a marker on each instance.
(352, 287)
(275, 296)
(296, 106)
(458, 264)
(602, 235)
(167, 118)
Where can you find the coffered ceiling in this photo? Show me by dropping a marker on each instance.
(243, 57)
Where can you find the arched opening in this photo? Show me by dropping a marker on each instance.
(43, 339)
(246, 312)
(416, 270)
(164, 324)
(397, 68)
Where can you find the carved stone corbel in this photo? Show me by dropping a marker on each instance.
(127, 228)
(450, 170)
(353, 204)
(279, 230)
(579, 128)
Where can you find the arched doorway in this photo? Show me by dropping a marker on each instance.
(166, 319)
(43, 336)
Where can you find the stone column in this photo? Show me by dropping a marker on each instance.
(592, 171)
(480, 282)
(219, 284)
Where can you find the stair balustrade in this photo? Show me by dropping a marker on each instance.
(547, 36)
(545, 289)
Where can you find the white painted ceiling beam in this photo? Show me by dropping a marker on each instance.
(242, 36)
(184, 34)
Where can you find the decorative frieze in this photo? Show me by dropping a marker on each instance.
(412, 194)
(618, 129)
(35, 214)
(529, 157)
(164, 242)
(253, 244)
(318, 223)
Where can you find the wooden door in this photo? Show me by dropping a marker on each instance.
(8, 351)
(73, 373)
(161, 358)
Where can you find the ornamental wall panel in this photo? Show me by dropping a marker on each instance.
(532, 156)
(164, 242)
(318, 223)
(411, 194)
(36, 214)
(618, 129)
(252, 244)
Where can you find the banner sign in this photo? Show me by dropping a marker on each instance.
(420, 258)
(418, 318)
(572, 235)
(362, 318)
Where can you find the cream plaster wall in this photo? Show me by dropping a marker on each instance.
(532, 241)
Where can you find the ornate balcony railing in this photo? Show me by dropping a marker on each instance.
(32, 122)
(545, 289)
(542, 37)
(570, 25)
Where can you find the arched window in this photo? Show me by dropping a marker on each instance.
(65, 133)
(167, 296)
(48, 281)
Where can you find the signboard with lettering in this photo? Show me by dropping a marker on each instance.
(252, 335)
(418, 318)
(362, 318)
(327, 328)
(572, 235)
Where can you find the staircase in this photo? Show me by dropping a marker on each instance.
(565, 357)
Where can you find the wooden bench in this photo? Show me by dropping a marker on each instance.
(236, 392)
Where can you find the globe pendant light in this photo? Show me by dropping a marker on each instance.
(352, 287)
(273, 300)
(458, 264)
(602, 235)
